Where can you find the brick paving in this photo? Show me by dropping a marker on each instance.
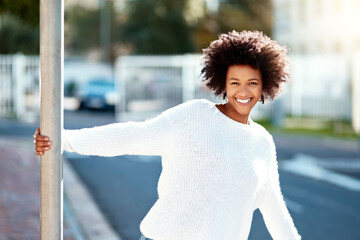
(20, 191)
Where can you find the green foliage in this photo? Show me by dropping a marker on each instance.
(160, 26)
(313, 126)
(19, 26)
(26, 10)
(81, 29)
(144, 27)
(157, 27)
(234, 15)
(16, 36)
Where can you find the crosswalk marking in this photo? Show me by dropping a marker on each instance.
(294, 206)
(306, 165)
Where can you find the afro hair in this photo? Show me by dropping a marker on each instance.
(246, 48)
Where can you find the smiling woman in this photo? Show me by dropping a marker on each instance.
(218, 165)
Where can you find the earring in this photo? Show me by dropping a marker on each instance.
(262, 99)
(225, 96)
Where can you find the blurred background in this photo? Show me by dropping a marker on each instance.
(132, 59)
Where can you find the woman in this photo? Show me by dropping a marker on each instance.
(218, 164)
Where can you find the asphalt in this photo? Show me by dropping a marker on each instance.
(20, 184)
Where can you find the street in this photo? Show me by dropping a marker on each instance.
(124, 187)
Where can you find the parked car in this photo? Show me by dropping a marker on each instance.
(98, 94)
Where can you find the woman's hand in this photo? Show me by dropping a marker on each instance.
(42, 143)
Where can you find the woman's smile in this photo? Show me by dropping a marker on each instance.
(244, 101)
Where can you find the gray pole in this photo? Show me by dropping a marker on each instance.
(105, 29)
(51, 117)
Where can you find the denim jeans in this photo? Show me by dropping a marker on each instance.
(144, 238)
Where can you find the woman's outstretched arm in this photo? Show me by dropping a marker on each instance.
(151, 137)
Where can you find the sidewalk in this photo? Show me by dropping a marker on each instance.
(20, 197)
(20, 191)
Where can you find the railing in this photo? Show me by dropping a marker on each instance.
(19, 87)
(149, 84)
(321, 86)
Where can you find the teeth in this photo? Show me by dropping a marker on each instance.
(243, 101)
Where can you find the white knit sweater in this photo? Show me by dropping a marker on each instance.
(215, 172)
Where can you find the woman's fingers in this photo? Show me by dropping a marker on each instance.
(42, 143)
(41, 138)
(42, 149)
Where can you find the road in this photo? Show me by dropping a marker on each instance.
(124, 187)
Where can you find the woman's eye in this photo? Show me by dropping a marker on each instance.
(253, 83)
(234, 83)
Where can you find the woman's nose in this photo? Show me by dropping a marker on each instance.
(243, 91)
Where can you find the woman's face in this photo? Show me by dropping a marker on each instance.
(243, 89)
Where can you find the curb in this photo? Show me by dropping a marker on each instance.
(87, 220)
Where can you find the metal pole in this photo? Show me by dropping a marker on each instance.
(105, 29)
(51, 117)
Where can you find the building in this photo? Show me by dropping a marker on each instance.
(324, 42)
(317, 26)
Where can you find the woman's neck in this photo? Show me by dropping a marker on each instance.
(226, 109)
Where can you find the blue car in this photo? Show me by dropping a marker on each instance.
(98, 94)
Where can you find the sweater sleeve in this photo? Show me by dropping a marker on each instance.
(151, 137)
(273, 207)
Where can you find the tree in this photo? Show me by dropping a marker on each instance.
(233, 15)
(27, 11)
(19, 26)
(15, 36)
(157, 27)
(81, 29)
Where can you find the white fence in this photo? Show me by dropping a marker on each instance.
(149, 84)
(19, 83)
(321, 87)
(19, 87)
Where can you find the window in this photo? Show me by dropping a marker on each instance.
(302, 11)
(337, 6)
(320, 47)
(318, 8)
(283, 18)
(338, 47)
(303, 48)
